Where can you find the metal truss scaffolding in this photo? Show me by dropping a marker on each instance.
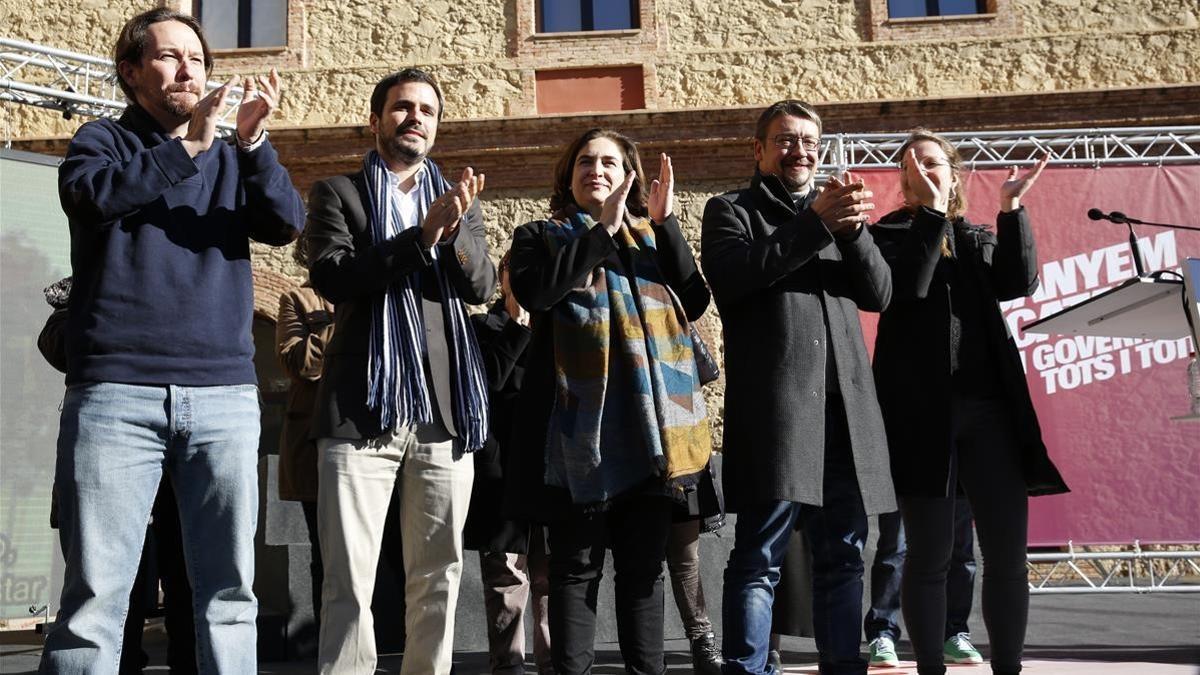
(1069, 147)
(1129, 571)
(70, 83)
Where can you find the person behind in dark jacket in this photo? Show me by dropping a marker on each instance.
(512, 554)
(882, 623)
(612, 417)
(400, 252)
(954, 397)
(790, 268)
(303, 328)
(160, 371)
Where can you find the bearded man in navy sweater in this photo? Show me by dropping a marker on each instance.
(160, 374)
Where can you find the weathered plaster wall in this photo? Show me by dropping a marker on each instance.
(758, 51)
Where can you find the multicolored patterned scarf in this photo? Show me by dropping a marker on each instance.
(628, 403)
(396, 384)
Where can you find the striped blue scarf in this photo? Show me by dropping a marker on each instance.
(396, 383)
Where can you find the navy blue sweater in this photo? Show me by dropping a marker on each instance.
(160, 253)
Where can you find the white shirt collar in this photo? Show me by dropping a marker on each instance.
(394, 179)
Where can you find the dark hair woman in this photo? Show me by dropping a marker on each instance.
(611, 420)
(953, 394)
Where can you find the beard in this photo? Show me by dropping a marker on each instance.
(406, 149)
(180, 102)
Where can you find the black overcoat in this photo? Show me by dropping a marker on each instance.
(776, 273)
(539, 281)
(912, 348)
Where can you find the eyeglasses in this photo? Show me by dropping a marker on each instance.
(789, 141)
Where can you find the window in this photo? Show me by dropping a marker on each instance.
(903, 9)
(561, 16)
(243, 24)
(943, 19)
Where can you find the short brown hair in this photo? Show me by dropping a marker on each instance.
(379, 94)
(958, 200)
(132, 42)
(786, 107)
(635, 203)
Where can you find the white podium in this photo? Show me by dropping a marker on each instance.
(1142, 307)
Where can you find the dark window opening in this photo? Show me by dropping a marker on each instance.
(243, 24)
(904, 9)
(560, 16)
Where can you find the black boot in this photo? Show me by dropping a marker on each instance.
(706, 655)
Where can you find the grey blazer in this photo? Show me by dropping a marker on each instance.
(776, 273)
(350, 270)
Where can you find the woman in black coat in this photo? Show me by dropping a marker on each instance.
(953, 394)
(611, 420)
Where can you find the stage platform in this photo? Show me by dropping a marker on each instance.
(1092, 634)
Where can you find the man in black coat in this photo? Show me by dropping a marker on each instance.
(403, 398)
(790, 267)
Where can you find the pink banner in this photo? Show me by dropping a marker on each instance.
(1104, 404)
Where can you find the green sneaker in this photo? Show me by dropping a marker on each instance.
(883, 653)
(958, 649)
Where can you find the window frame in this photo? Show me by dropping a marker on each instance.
(587, 17)
(532, 51)
(288, 55)
(983, 5)
(999, 19)
(244, 24)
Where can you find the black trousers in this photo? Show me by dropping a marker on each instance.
(636, 528)
(986, 461)
(162, 562)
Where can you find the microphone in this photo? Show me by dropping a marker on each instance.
(1115, 216)
(1118, 217)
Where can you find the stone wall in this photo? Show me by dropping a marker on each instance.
(824, 50)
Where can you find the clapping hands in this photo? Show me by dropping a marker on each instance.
(445, 213)
(844, 204)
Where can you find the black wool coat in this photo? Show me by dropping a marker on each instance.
(539, 281)
(777, 275)
(912, 348)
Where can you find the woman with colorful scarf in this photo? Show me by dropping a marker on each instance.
(611, 423)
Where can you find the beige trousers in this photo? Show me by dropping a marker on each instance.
(356, 480)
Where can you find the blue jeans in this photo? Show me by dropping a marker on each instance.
(836, 534)
(115, 441)
(883, 618)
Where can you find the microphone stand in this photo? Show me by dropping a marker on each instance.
(1138, 264)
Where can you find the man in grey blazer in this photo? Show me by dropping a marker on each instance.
(790, 267)
(400, 252)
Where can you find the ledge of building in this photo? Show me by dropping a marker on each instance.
(518, 153)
